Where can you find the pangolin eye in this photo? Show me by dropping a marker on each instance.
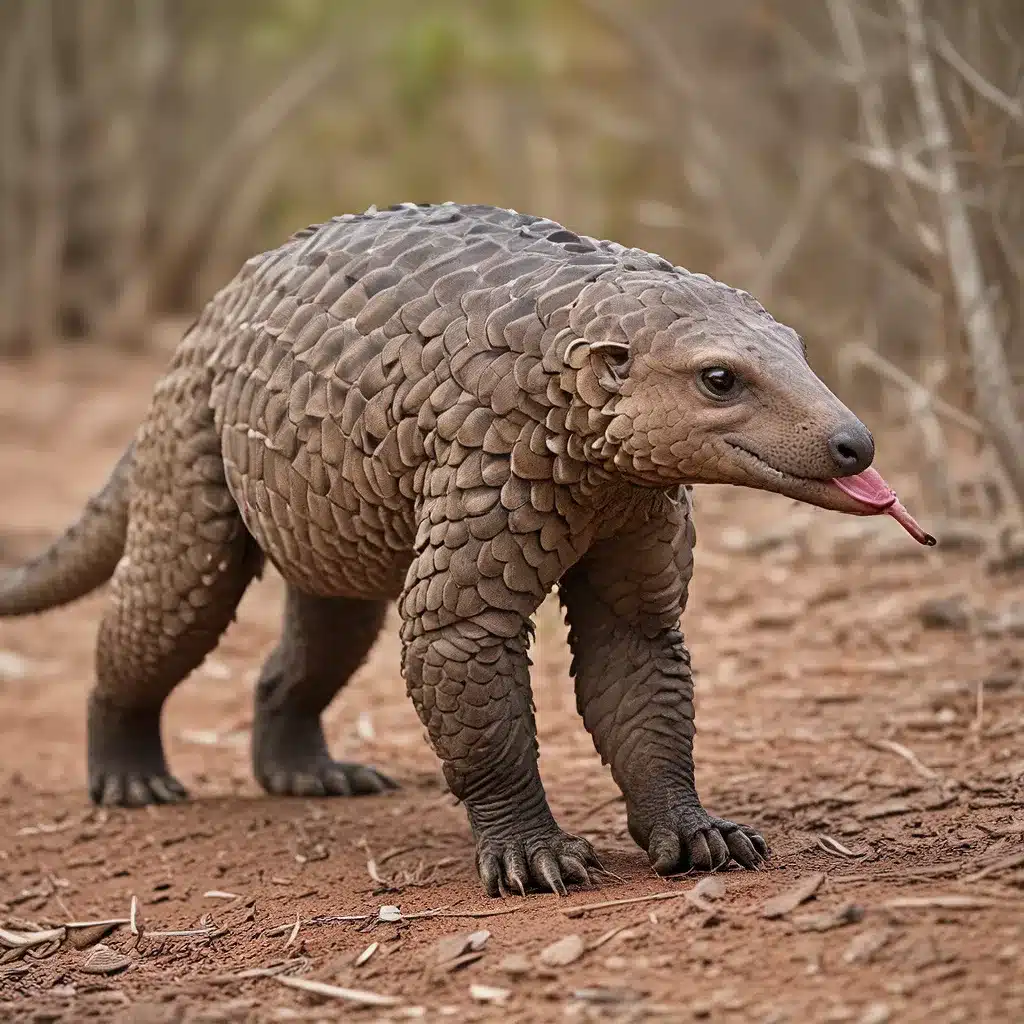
(719, 382)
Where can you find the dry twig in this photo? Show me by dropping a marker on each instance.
(985, 345)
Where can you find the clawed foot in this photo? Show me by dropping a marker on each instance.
(545, 860)
(131, 789)
(324, 777)
(290, 758)
(126, 758)
(690, 839)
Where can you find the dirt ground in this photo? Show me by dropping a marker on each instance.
(860, 700)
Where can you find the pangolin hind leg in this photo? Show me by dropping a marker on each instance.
(634, 689)
(188, 559)
(323, 642)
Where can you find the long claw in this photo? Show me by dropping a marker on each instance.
(700, 854)
(664, 851)
(575, 870)
(719, 851)
(760, 844)
(490, 874)
(113, 791)
(547, 867)
(743, 851)
(165, 789)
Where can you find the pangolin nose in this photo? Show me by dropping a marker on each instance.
(852, 449)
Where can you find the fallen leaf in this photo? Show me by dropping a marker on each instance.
(450, 966)
(104, 960)
(83, 938)
(563, 952)
(865, 945)
(452, 946)
(848, 913)
(788, 900)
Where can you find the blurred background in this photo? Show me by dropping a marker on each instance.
(856, 164)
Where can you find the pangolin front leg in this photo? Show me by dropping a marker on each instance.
(465, 636)
(323, 642)
(634, 689)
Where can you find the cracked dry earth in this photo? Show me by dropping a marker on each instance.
(860, 700)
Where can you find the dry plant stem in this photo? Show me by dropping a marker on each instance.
(352, 995)
(1009, 105)
(862, 355)
(880, 152)
(908, 755)
(44, 253)
(13, 336)
(218, 178)
(605, 904)
(994, 383)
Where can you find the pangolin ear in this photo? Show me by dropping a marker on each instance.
(611, 354)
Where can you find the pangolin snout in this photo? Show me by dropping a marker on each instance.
(852, 449)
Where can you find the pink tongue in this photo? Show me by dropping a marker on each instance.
(870, 489)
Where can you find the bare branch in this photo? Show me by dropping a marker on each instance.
(891, 160)
(981, 85)
(861, 355)
(814, 186)
(13, 335)
(44, 257)
(990, 365)
(215, 179)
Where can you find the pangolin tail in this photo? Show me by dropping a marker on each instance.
(79, 561)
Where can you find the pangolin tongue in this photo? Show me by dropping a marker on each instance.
(870, 489)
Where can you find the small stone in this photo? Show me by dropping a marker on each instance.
(945, 613)
(489, 994)
(12, 666)
(876, 1013)
(563, 952)
(515, 965)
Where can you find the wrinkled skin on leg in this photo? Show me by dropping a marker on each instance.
(465, 637)
(323, 642)
(635, 690)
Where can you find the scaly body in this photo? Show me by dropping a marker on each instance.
(455, 408)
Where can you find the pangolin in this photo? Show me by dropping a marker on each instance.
(456, 408)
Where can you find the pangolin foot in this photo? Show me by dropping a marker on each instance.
(290, 758)
(547, 860)
(126, 757)
(690, 839)
(323, 777)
